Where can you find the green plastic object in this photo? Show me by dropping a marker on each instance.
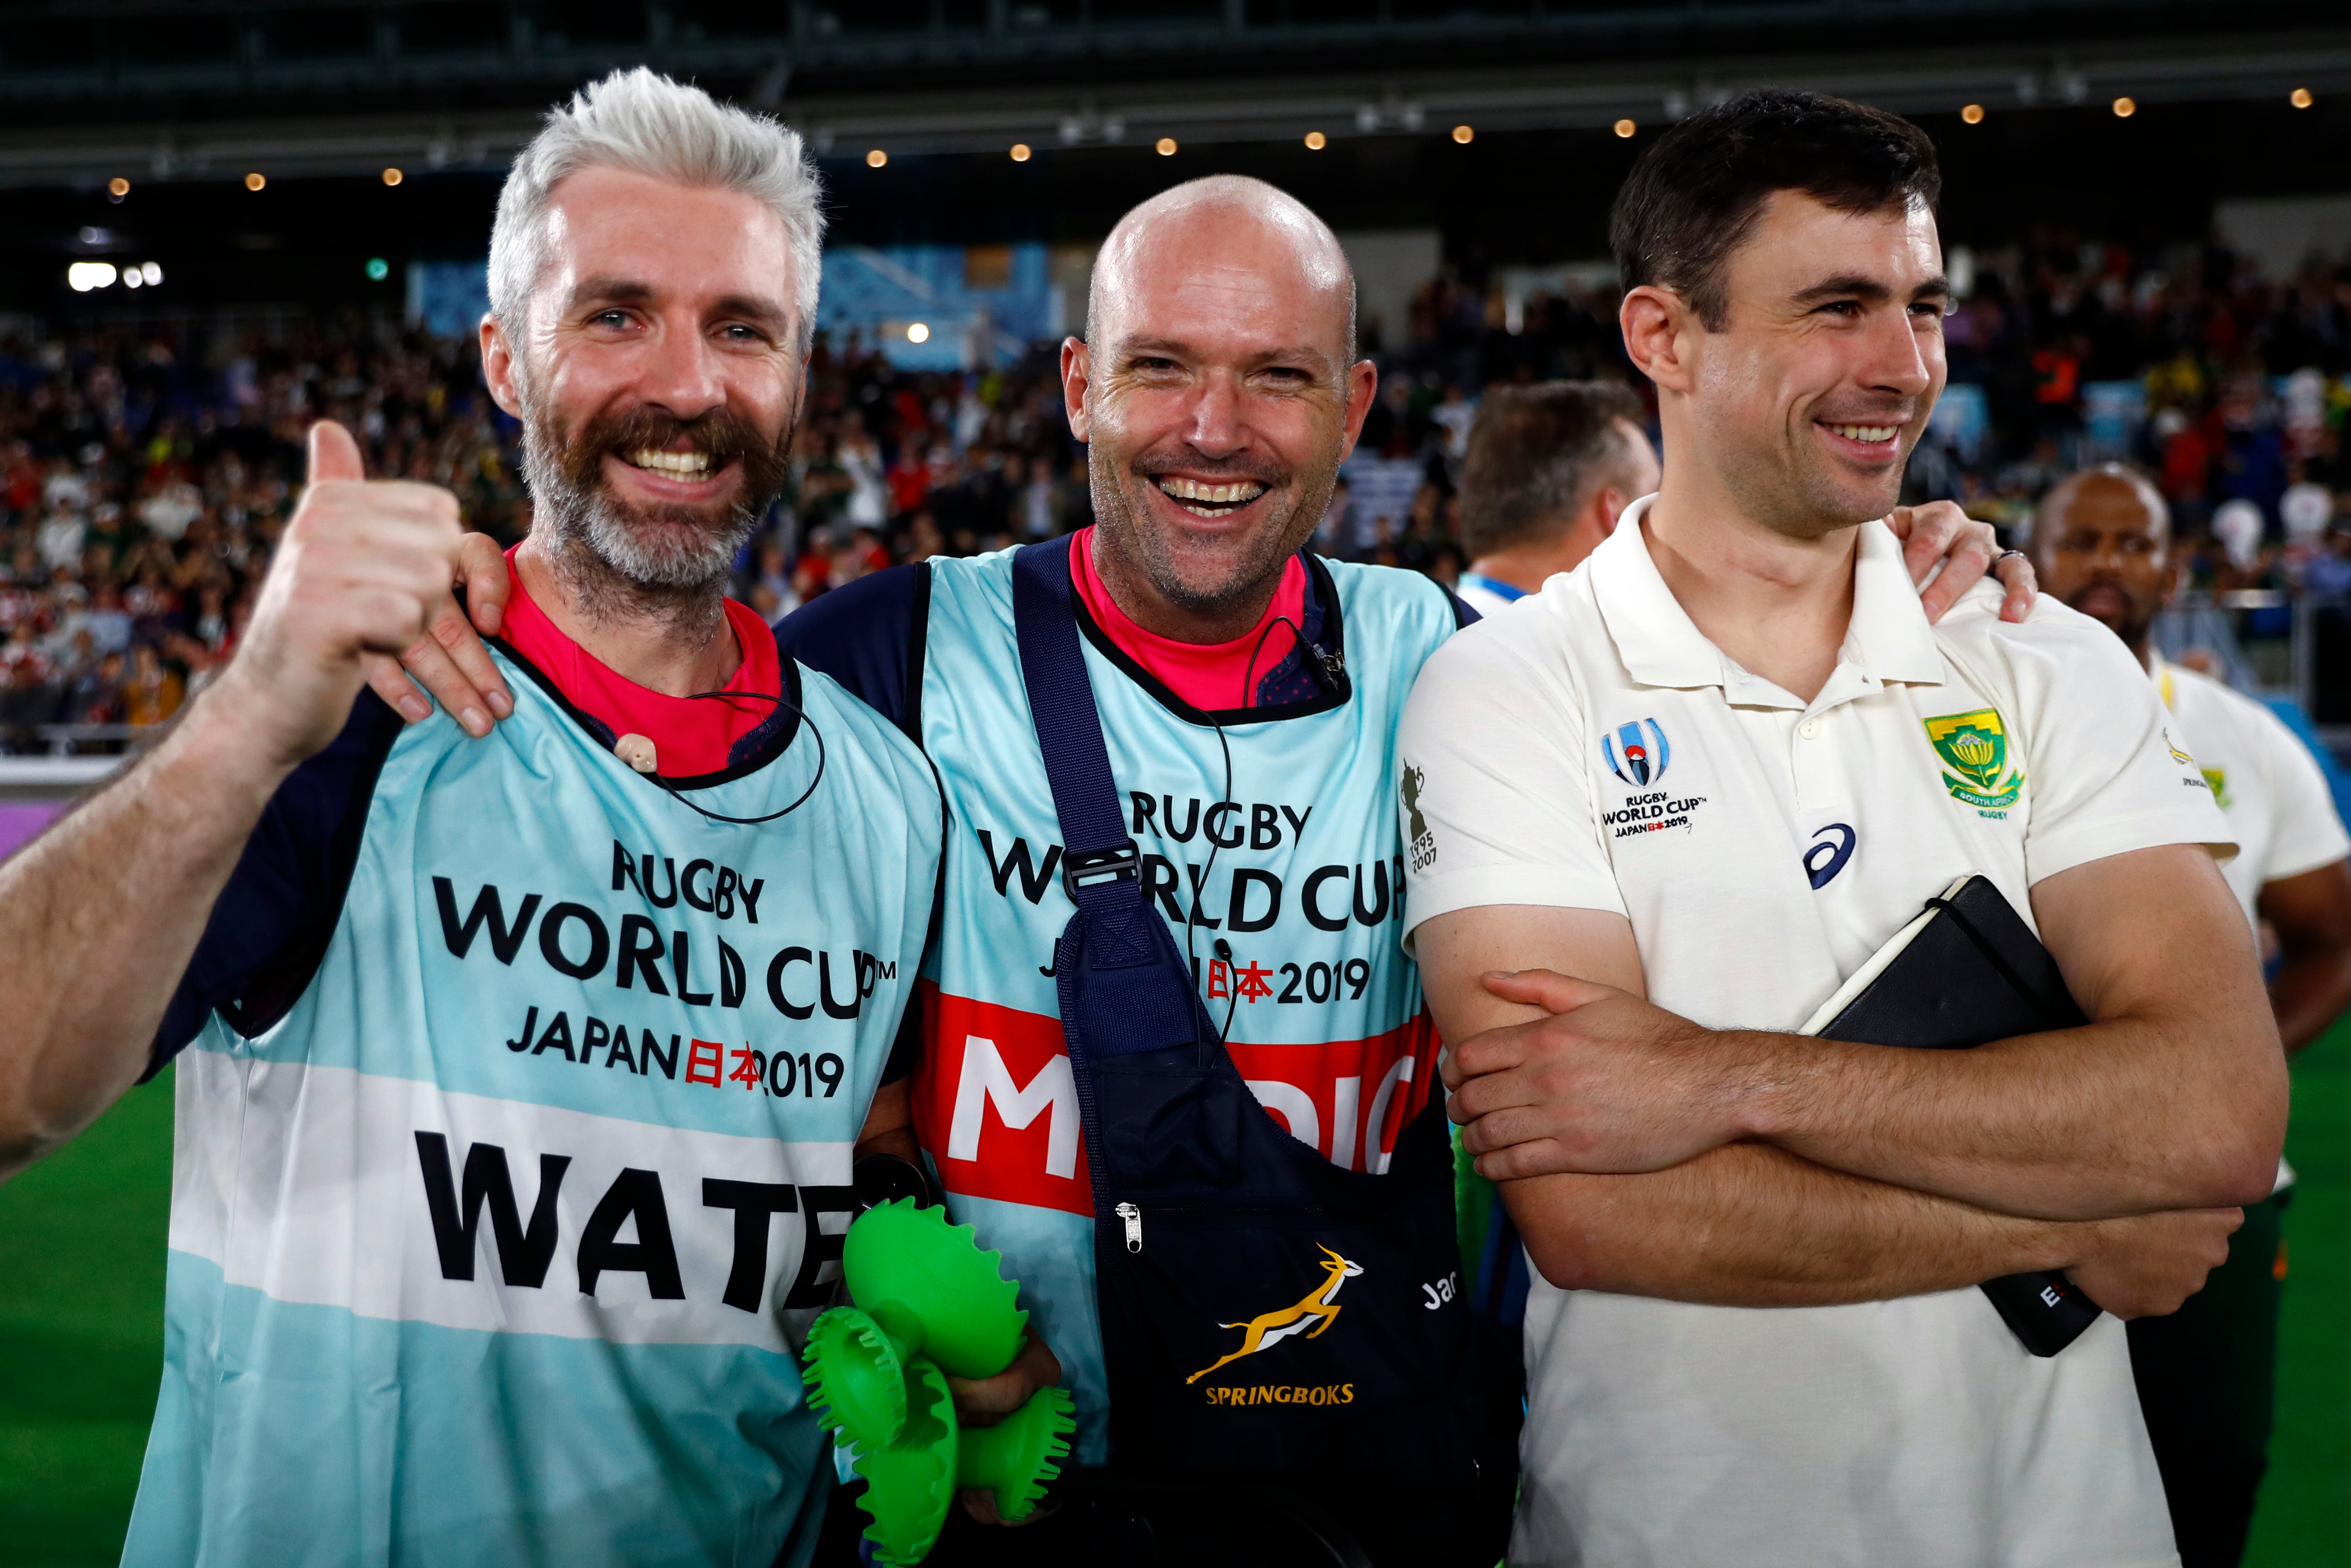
(1015, 1457)
(932, 1290)
(856, 1378)
(928, 1301)
(911, 1483)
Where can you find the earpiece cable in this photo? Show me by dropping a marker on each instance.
(1223, 948)
(677, 795)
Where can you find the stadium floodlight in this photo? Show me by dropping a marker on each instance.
(81, 276)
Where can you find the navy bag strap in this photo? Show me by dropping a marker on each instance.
(1099, 863)
(1123, 987)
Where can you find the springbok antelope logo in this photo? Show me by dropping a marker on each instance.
(1316, 1308)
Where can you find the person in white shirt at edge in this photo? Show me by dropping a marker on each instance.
(2207, 1375)
(1547, 472)
(1665, 806)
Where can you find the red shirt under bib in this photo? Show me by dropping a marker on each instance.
(691, 735)
(1208, 675)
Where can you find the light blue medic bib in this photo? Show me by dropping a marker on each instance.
(1293, 926)
(498, 1247)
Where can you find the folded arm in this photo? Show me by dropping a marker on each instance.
(1750, 1226)
(2173, 1097)
(1747, 1224)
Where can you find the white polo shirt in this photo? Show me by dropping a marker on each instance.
(2266, 781)
(1590, 749)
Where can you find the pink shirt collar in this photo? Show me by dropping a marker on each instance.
(1208, 675)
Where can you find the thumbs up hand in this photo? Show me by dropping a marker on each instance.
(361, 564)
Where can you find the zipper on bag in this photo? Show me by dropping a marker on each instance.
(1215, 1211)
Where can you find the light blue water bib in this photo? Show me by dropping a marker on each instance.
(498, 1247)
(1304, 894)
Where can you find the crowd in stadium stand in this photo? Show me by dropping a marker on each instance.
(145, 476)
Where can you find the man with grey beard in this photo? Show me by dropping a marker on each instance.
(514, 1145)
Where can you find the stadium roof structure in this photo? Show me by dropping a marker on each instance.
(204, 89)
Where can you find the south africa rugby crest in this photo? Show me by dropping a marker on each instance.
(1974, 749)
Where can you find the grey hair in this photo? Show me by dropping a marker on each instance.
(643, 121)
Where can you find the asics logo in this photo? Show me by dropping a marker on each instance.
(1832, 847)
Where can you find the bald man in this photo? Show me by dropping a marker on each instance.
(1293, 1317)
(2102, 541)
(1246, 693)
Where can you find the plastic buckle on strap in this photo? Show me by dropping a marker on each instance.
(1095, 867)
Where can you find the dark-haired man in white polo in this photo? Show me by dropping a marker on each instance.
(1707, 775)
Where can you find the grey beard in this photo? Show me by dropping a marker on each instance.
(607, 557)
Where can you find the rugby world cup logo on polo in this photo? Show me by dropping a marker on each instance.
(1638, 754)
(1974, 749)
(1636, 762)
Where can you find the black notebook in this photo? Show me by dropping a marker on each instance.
(1966, 971)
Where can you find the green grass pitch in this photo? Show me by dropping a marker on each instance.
(2307, 1497)
(81, 1334)
(82, 1301)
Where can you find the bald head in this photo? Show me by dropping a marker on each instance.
(2110, 490)
(1216, 391)
(1231, 236)
(2102, 544)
